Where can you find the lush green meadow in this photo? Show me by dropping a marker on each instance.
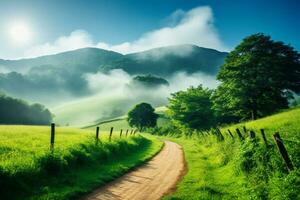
(28, 170)
(242, 170)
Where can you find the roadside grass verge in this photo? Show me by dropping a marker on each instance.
(211, 174)
(234, 169)
(29, 171)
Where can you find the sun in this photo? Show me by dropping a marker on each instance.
(20, 32)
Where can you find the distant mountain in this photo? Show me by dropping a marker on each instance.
(165, 61)
(89, 59)
(159, 61)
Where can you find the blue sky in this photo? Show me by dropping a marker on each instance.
(134, 25)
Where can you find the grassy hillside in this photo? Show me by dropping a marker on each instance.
(232, 169)
(29, 171)
(286, 123)
(121, 122)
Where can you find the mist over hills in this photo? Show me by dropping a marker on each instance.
(88, 58)
(165, 61)
(91, 78)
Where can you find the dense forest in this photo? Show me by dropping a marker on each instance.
(17, 111)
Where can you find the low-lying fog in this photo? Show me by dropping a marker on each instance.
(112, 95)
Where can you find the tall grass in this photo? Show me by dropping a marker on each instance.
(28, 170)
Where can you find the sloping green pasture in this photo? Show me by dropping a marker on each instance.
(234, 169)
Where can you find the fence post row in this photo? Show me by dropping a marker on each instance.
(52, 137)
(283, 152)
(264, 137)
(110, 134)
(239, 134)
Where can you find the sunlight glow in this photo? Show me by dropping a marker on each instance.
(20, 32)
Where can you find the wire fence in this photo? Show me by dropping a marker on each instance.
(279, 142)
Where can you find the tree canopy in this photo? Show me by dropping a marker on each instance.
(16, 111)
(258, 78)
(142, 116)
(192, 108)
(150, 80)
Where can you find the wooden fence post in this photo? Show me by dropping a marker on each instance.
(264, 137)
(121, 133)
(239, 134)
(111, 132)
(220, 135)
(126, 132)
(244, 128)
(283, 152)
(52, 137)
(230, 134)
(97, 133)
(252, 134)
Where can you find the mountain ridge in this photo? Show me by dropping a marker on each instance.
(96, 48)
(158, 61)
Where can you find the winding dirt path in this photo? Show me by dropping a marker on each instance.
(151, 181)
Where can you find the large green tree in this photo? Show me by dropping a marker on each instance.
(142, 116)
(258, 78)
(192, 108)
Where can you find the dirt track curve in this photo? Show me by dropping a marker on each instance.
(151, 181)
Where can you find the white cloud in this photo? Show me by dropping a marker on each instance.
(113, 81)
(77, 39)
(192, 27)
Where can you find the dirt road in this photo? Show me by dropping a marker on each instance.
(150, 181)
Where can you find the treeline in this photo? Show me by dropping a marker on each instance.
(259, 77)
(17, 111)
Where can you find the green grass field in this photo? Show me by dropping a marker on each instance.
(242, 170)
(29, 171)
